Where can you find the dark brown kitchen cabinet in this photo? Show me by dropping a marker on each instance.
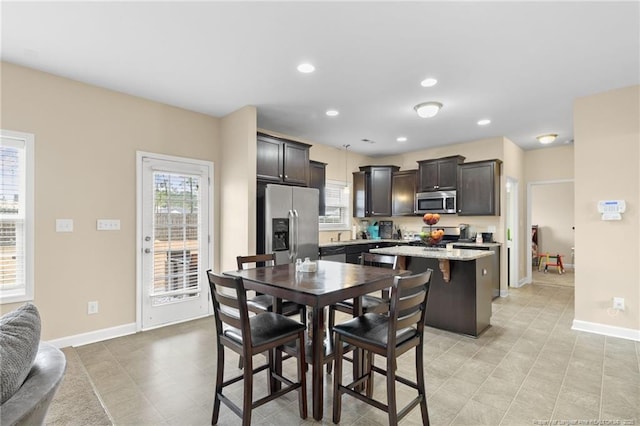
(439, 174)
(282, 161)
(372, 187)
(403, 192)
(317, 175)
(479, 188)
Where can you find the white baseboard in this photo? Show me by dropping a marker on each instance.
(607, 330)
(94, 336)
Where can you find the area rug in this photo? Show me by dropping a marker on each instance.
(76, 402)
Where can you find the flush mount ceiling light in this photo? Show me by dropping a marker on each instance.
(332, 112)
(484, 122)
(545, 139)
(306, 68)
(428, 109)
(401, 139)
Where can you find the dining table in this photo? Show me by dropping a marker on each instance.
(330, 283)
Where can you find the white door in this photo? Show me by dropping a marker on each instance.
(174, 231)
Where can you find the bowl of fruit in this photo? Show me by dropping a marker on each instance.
(433, 236)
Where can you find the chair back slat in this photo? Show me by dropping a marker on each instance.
(269, 259)
(230, 309)
(380, 260)
(408, 303)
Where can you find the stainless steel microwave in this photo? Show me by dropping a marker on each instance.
(436, 202)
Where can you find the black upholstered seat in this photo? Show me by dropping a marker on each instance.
(248, 336)
(388, 335)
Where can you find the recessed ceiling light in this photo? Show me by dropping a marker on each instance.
(428, 82)
(402, 139)
(332, 112)
(306, 68)
(484, 122)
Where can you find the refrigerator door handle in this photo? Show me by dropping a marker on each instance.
(292, 237)
(297, 228)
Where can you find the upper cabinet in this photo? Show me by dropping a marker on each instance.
(372, 187)
(479, 188)
(403, 192)
(439, 174)
(317, 179)
(282, 161)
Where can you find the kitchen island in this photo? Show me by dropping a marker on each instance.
(460, 291)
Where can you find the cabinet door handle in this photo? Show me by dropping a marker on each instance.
(280, 176)
(286, 176)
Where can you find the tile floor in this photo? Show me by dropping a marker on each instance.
(529, 368)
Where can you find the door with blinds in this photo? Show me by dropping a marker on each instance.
(174, 247)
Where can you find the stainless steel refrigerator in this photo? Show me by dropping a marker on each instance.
(290, 222)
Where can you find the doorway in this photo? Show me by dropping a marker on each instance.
(174, 244)
(550, 209)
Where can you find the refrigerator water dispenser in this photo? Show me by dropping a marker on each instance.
(280, 241)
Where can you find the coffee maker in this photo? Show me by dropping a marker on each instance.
(464, 231)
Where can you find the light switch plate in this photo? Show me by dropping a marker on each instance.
(64, 225)
(108, 225)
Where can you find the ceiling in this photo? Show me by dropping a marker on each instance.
(520, 64)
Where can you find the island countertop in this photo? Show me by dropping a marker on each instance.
(433, 253)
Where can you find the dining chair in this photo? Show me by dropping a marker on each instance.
(249, 336)
(388, 335)
(369, 302)
(264, 302)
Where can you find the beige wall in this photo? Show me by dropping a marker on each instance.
(86, 140)
(546, 164)
(607, 160)
(237, 189)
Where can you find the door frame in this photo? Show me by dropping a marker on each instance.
(513, 218)
(530, 186)
(140, 155)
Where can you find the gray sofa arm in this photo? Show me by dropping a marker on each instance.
(29, 405)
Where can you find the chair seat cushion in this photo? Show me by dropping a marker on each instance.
(369, 304)
(373, 329)
(19, 340)
(264, 303)
(266, 328)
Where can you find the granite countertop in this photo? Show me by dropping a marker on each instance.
(434, 253)
(470, 244)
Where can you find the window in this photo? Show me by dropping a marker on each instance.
(16, 216)
(337, 211)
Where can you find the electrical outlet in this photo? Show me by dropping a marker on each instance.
(618, 303)
(92, 308)
(108, 225)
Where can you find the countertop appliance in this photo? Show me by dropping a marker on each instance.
(385, 229)
(288, 222)
(443, 202)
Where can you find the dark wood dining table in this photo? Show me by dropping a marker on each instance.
(332, 282)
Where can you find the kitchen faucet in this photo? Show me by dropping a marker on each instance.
(339, 234)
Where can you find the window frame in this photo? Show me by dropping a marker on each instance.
(339, 226)
(26, 292)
